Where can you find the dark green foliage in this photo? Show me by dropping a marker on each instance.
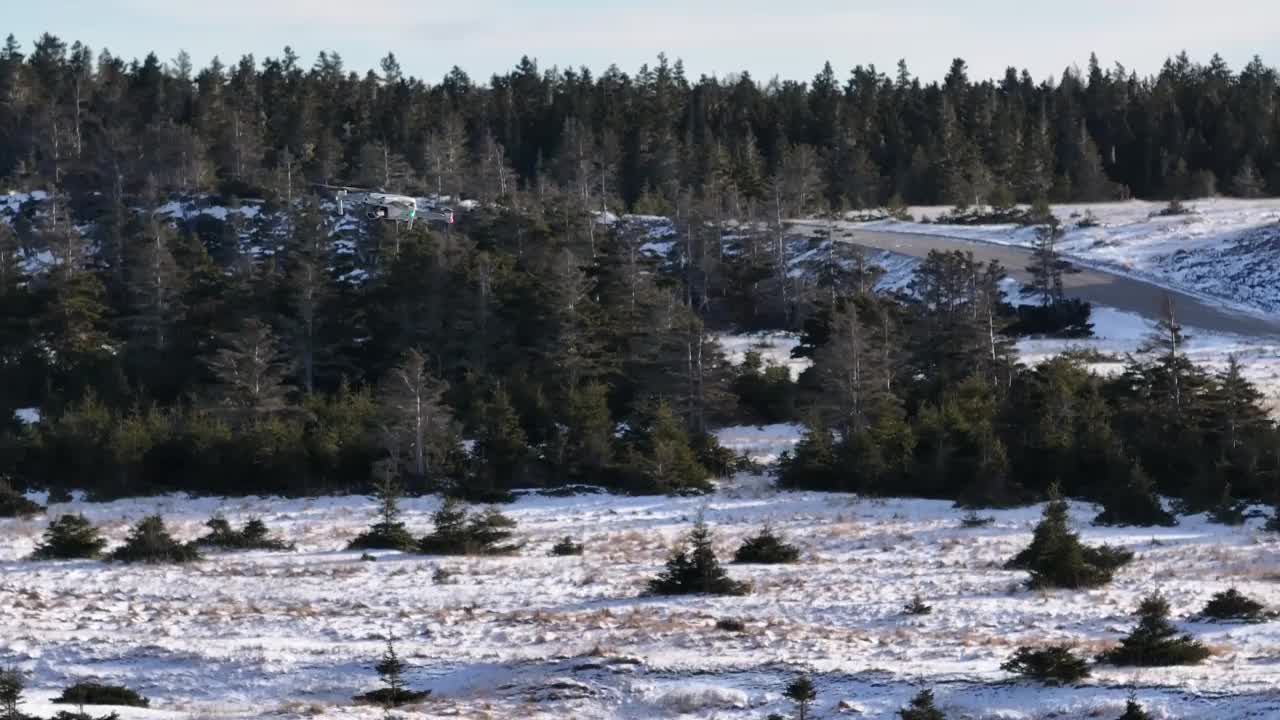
(388, 533)
(921, 707)
(89, 693)
(766, 394)
(972, 519)
(391, 669)
(1054, 665)
(659, 458)
(1273, 522)
(1135, 503)
(766, 548)
(731, 625)
(1155, 642)
(802, 692)
(1228, 510)
(566, 546)
(66, 715)
(253, 536)
(70, 537)
(917, 606)
(1134, 711)
(149, 542)
(1057, 558)
(1231, 604)
(693, 569)
(458, 532)
(15, 504)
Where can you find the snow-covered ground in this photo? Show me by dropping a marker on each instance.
(293, 634)
(1225, 248)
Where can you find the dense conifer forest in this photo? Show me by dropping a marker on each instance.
(264, 344)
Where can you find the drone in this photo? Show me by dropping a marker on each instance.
(380, 205)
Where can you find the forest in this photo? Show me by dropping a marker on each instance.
(264, 344)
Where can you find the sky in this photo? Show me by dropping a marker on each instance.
(786, 38)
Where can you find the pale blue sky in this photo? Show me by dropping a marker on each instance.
(789, 38)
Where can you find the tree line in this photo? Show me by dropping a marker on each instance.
(75, 119)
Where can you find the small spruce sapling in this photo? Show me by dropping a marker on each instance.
(566, 547)
(391, 669)
(1155, 642)
(801, 692)
(253, 536)
(150, 542)
(917, 606)
(388, 533)
(922, 707)
(1135, 503)
(1053, 665)
(972, 519)
(766, 548)
(693, 569)
(1133, 710)
(1231, 604)
(91, 693)
(1056, 557)
(70, 537)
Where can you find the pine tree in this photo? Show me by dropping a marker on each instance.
(1155, 642)
(70, 537)
(693, 569)
(1133, 710)
(1053, 665)
(1247, 182)
(922, 707)
(412, 401)
(1231, 604)
(253, 536)
(1057, 558)
(14, 503)
(501, 448)
(458, 532)
(802, 692)
(659, 457)
(149, 542)
(766, 547)
(251, 370)
(389, 533)
(390, 669)
(1136, 503)
(11, 687)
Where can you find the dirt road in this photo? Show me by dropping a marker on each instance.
(1097, 286)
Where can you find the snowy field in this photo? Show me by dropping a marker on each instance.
(293, 634)
(1224, 248)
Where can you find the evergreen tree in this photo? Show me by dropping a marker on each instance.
(1053, 665)
(658, 457)
(1136, 503)
(801, 692)
(1133, 711)
(251, 370)
(253, 536)
(501, 448)
(11, 687)
(766, 548)
(14, 503)
(693, 569)
(391, 669)
(412, 401)
(1231, 604)
(149, 542)
(921, 707)
(1155, 642)
(388, 533)
(1057, 558)
(70, 537)
(458, 532)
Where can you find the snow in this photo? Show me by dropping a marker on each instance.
(27, 416)
(1225, 249)
(774, 348)
(293, 635)
(760, 444)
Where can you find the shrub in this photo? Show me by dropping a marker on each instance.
(801, 692)
(1155, 642)
(15, 504)
(1057, 558)
(1273, 522)
(566, 547)
(972, 519)
(88, 693)
(11, 687)
(458, 532)
(253, 536)
(70, 537)
(1228, 510)
(149, 542)
(1053, 665)
(731, 625)
(917, 607)
(921, 708)
(693, 569)
(1231, 604)
(766, 548)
